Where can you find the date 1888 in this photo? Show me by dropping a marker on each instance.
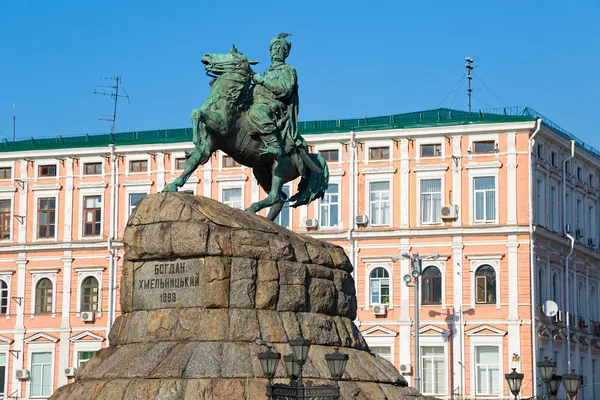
(168, 297)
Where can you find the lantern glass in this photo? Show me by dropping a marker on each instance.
(300, 347)
(291, 366)
(572, 382)
(547, 369)
(336, 362)
(555, 384)
(268, 363)
(514, 380)
(407, 278)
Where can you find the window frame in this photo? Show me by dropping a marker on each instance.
(40, 168)
(225, 162)
(10, 215)
(141, 164)
(83, 218)
(321, 203)
(82, 274)
(487, 290)
(3, 170)
(499, 372)
(436, 146)
(34, 299)
(41, 348)
(423, 176)
(380, 202)
(483, 170)
(432, 286)
(39, 212)
(4, 349)
(380, 150)
(485, 144)
(133, 193)
(95, 164)
(222, 189)
(178, 160)
(327, 159)
(444, 369)
(368, 270)
(553, 202)
(540, 201)
(554, 159)
(82, 295)
(5, 278)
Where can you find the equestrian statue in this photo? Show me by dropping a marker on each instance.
(253, 118)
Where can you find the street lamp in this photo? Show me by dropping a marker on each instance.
(268, 363)
(336, 362)
(572, 382)
(554, 385)
(514, 380)
(547, 370)
(417, 267)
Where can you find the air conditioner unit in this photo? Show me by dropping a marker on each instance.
(405, 369)
(311, 223)
(88, 316)
(22, 374)
(379, 310)
(70, 372)
(558, 317)
(449, 211)
(361, 220)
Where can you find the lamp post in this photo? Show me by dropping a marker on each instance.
(416, 269)
(547, 370)
(294, 362)
(572, 382)
(514, 380)
(553, 386)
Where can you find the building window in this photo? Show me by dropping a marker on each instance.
(591, 219)
(2, 375)
(180, 163)
(487, 146)
(485, 288)
(432, 286)
(229, 162)
(5, 172)
(579, 220)
(554, 159)
(431, 200)
(330, 155)
(284, 217)
(233, 197)
(41, 374)
(433, 364)
(46, 217)
(83, 356)
(89, 294)
(554, 208)
(380, 203)
(43, 296)
(379, 153)
(569, 210)
(380, 286)
(541, 214)
(4, 219)
(594, 305)
(134, 199)
(556, 289)
(485, 199)
(540, 151)
(591, 180)
(579, 173)
(384, 352)
(47, 170)
(568, 167)
(3, 297)
(92, 215)
(92, 168)
(487, 370)
(581, 300)
(431, 150)
(541, 286)
(329, 206)
(138, 166)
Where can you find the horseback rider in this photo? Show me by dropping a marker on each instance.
(274, 112)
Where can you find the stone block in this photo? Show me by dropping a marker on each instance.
(267, 294)
(267, 270)
(171, 389)
(320, 272)
(137, 326)
(292, 273)
(156, 241)
(292, 298)
(205, 361)
(198, 389)
(228, 389)
(87, 390)
(243, 268)
(300, 252)
(242, 293)
(372, 391)
(358, 341)
(345, 336)
(346, 305)
(290, 324)
(250, 244)
(169, 209)
(189, 239)
(136, 360)
(236, 361)
(319, 254)
(118, 332)
(322, 296)
(272, 329)
(344, 282)
(243, 325)
(216, 294)
(126, 288)
(160, 324)
(319, 329)
(202, 324)
(217, 268)
(339, 258)
(175, 362)
(142, 389)
(113, 390)
(280, 247)
(219, 242)
(256, 389)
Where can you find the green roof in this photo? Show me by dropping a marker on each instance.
(430, 118)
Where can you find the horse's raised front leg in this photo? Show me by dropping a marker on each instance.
(275, 195)
(197, 158)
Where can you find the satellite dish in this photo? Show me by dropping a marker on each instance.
(550, 308)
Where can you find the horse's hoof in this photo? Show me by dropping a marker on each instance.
(170, 188)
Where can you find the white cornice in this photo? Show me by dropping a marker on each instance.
(80, 336)
(92, 185)
(9, 189)
(483, 164)
(138, 182)
(43, 271)
(484, 256)
(495, 331)
(385, 170)
(50, 186)
(231, 178)
(430, 167)
(387, 332)
(337, 172)
(42, 336)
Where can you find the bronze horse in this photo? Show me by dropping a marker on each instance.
(221, 124)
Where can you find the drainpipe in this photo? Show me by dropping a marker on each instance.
(532, 255)
(352, 227)
(112, 265)
(568, 257)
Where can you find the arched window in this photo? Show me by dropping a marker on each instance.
(432, 286)
(593, 303)
(89, 294)
(380, 286)
(3, 297)
(581, 301)
(541, 286)
(43, 296)
(485, 285)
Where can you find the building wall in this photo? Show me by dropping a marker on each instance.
(458, 325)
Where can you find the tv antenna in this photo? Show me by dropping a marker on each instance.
(469, 68)
(114, 94)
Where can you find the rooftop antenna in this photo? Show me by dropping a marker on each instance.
(469, 68)
(114, 93)
(14, 122)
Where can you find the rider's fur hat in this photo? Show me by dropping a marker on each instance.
(281, 38)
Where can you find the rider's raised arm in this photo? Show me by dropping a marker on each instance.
(283, 83)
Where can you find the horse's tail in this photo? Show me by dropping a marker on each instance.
(313, 185)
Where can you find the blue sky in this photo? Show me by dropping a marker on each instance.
(354, 58)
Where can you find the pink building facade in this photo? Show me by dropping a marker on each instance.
(497, 198)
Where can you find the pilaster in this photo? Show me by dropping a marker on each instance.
(456, 178)
(68, 209)
(160, 171)
(511, 179)
(404, 184)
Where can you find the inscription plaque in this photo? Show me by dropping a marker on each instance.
(167, 284)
